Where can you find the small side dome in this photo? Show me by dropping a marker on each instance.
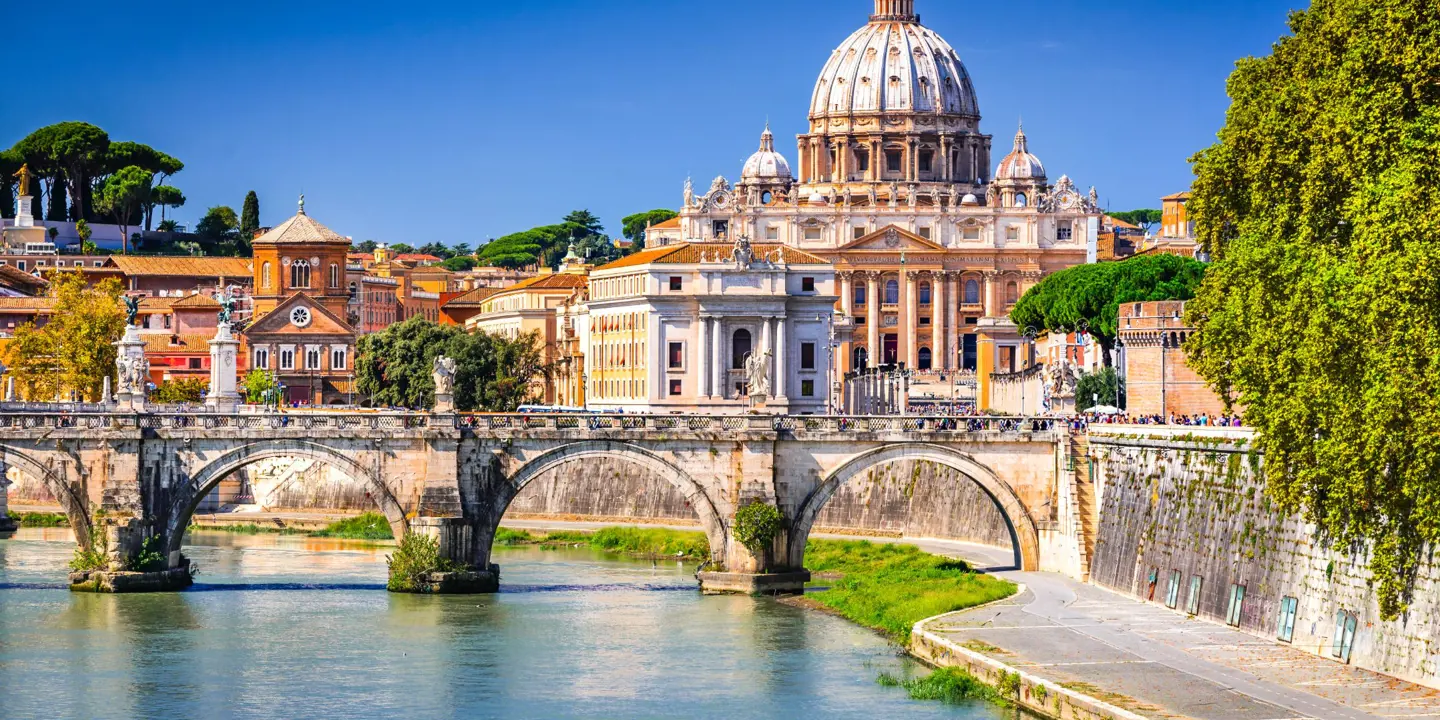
(1020, 164)
(767, 165)
(970, 199)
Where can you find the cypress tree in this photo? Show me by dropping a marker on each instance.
(250, 216)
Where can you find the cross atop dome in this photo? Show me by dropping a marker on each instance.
(896, 10)
(1022, 143)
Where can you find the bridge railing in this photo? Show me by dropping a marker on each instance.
(213, 421)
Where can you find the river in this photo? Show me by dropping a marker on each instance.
(292, 627)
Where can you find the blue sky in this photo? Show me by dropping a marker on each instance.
(462, 120)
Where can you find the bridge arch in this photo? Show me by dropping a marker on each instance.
(1024, 535)
(711, 520)
(72, 500)
(188, 496)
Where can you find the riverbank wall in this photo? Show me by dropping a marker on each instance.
(1186, 522)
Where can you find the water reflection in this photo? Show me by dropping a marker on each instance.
(282, 627)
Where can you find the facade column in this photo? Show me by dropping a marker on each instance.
(717, 360)
(952, 314)
(704, 358)
(992, 278)
(945, 158)
(939, 338)
(782, 367)
(872, 321)
(877, 160)
(910, 306)
(847, 295)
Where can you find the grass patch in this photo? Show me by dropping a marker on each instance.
(892, 587)
(41, 519)
(247, 529)
(370, 526)
(637, 542)
(415, 558)
(946, 685)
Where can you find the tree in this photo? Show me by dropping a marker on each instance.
(635, 225)
(77, 148)
(55, 209)
(367, 246)
(123, 195)
(1321, 208)
(257, 384)
(586, 220)
(402, 248)
(75, 350)
(190, 390)
(493, 373)
(463, 249)
(1103, 387)
(219, 223)
(459, 263)
(124, 154)
(1092, 294)
(1145, 219)
(168, 226)
(250, 215)
(82, 229)
(10, 162)
(165, 197)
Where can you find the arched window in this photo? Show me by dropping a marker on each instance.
(1012, 293)
(892, 292)
(924, 293)
(972, 292)
(860, 294)
(300, 274)
(861, 358)
(353, 289)
(926, 359)
(1020, 200)
(265, 275)
(334, 275)
(739, 349)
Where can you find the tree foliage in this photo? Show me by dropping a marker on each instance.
(492, 373)
(1320, 204)
(1092, 294)
(165, 196)
(1103, 387)
(547, 245)
(250, 214)
(219, 223)
(75, 350)
(190, 390)
(77, 150)
(1146, 219)
(255, 384)
(634, 225)
(125, 192)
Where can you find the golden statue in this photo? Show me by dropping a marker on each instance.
(25, 175)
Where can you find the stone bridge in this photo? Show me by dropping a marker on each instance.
(141, 475)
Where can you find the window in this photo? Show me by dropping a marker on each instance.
(859, 294)
(807, 388)
(772, 232)
(1020, 200)
(20, 264)
(1064, 232)
(265, 275)
(1192, 602)
(676, 283)
(338, 358)
(1237, 602)
(262, 358)
(1288, 608)
(97, 263)
(287, 359)
(676, 386)
(1172, 595)
(927, 359)
(720, 227)
(1012, 293)
(353, 290)
(194, 363)
(862, 160)
(739, 349)
(807, 284)
(677, 356)
(1344, 636)
(924, 232)
(892, 160)
(300, 274)
(857, 232)
(924, 293)
(892, 292)
(1012, 233)
(807, 356)
(166, 319)
(860, 358)
(334, 275)
(927, 160)
(312, 359)
(812, 233)
(970, 233)
(972, 292)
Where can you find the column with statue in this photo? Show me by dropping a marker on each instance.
(132, 370)
(224, 350)
(24, 230)
(443, 373)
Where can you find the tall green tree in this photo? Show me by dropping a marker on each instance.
(124, 154)
(219, 223)
(635, 225)
(1320, 205)
(10, 162)
(586, 220)
(77, 148)
(55, 194)
(75, 351)
(1092, 294)
(165, 196)
(492, 373)
(123, 195)
(250, 215)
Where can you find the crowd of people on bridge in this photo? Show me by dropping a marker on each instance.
(1201, 420)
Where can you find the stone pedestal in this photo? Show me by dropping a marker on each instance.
(788, 583)
(133, 371)
(444, 404)
(224, 351)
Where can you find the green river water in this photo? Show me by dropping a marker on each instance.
(290, 627)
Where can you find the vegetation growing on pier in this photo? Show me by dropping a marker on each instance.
(416, 557)
(949, 685)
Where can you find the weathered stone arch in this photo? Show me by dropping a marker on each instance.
(71, 498)
(711, 520)
(188, 496)
(1024, 536)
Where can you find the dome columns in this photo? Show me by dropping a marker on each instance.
(897, 10)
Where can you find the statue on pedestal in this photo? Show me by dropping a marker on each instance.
(25, 177)
(132, 308)
(227, 307)
(443, 373)
(757, 373)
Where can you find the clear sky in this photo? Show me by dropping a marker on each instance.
(459, 120)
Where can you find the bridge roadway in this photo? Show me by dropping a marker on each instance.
(134, 476)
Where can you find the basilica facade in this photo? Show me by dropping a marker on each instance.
(931, 243)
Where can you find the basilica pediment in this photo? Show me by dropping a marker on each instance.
(892, 239)
(299, 314)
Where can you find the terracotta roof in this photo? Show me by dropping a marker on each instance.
(671, 224)
(422, 257)
(690, 254)
(472, 298)
(301, 229)
(152, 303)
(1178, 196)
(184, 266)
(197, 301)
(553, 281)
(1117, 222)
(16, 278)
(182, 343)
(27, 303)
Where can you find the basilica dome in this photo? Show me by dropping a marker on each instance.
(1020, 164)
(894, 65)
(766, 165)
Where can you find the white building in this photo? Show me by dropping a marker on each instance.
(710, 328)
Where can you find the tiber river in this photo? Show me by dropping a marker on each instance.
(288, 627)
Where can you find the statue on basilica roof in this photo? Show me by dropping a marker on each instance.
(689, 193)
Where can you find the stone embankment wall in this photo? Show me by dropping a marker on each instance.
(1196, 507)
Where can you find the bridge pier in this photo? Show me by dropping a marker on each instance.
(121, 542)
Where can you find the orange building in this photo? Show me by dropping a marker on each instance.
(1158, 378)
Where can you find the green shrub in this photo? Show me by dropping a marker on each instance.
(97, 557)
(756, 526)
(946, 684)
(149, 559)
(369, 526)
(415, 557)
